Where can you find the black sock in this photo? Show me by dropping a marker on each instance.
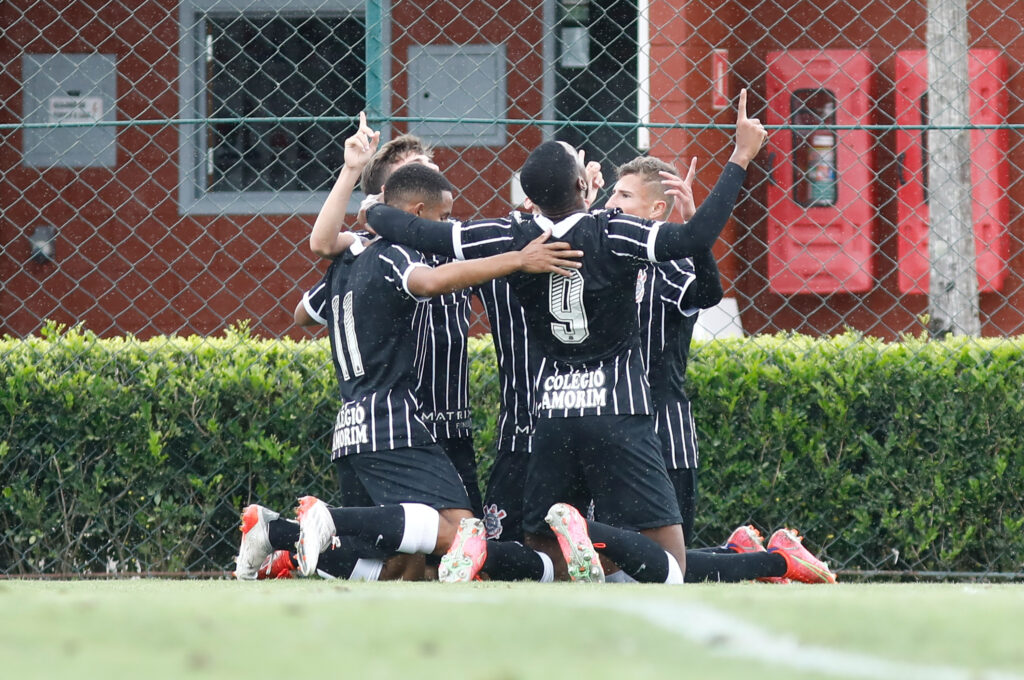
(338, 562)
(733, 567)
(284, 534)
(716, 550)
(381, 527)
(637, 555)
(512, 561)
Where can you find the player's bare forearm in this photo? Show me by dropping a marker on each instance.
(301, 315)
(538, 257)
(327, 240)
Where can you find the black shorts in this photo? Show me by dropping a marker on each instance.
(614, 460)
(410, 475)
(503, 502)
(461, 453)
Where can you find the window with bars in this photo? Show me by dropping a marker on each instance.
(275, 90)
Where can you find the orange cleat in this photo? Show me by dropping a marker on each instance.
(278, 564)
(801, 565)
(745, 539)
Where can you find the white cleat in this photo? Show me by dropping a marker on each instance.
(316, 532)
(255, 546)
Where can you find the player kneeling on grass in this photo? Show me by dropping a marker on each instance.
(385, 456)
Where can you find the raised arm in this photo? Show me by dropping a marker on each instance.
(326, 240)
(674, 241)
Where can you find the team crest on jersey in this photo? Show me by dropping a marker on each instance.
(492, 521)
(641, 284)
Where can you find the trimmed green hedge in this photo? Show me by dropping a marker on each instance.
(137, 456)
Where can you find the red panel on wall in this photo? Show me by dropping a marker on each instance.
(990, 167)
(820, 212)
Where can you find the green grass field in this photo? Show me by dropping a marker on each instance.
(148, 629)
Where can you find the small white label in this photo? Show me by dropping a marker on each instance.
(75, 109)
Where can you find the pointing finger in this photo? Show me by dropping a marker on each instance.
(742, 112)
(692, 172)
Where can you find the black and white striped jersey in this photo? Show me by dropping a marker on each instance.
(371, 322)
(517, 364)
(442, 362)
(666, 328)
(441, 359)
(584, 325)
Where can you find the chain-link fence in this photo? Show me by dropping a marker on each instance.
(161, 163)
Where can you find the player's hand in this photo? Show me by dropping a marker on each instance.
(594, 177)
(539, 257)
(360, 147)
(368, 202)
(682, 190)
(750, 134)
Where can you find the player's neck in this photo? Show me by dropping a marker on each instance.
(557, 215)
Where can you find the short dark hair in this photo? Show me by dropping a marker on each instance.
(376, 172)
(647, 168)
(549, 176)
(414, 183)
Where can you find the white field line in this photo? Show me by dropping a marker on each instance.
(724, 634)
(728, 635)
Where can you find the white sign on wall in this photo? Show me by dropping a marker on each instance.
(75, 109)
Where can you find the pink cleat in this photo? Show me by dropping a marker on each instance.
(801, 565)
(571, 531)
(466, 557)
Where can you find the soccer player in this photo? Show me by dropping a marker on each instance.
(594, 436)
(379, 439)
(669, 296)
(442, 359)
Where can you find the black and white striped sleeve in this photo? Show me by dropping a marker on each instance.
(482, 238)
(460, 240)
(315, 300)
(631, 236)
(672, 281)
(399, 262)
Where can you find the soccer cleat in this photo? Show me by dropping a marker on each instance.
(316, 532)
(255, 545)
(801, 565)
(571, 531)
(467, 554)
(278, 564)
(745, 539)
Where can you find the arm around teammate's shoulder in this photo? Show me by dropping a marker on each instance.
(538, 257)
